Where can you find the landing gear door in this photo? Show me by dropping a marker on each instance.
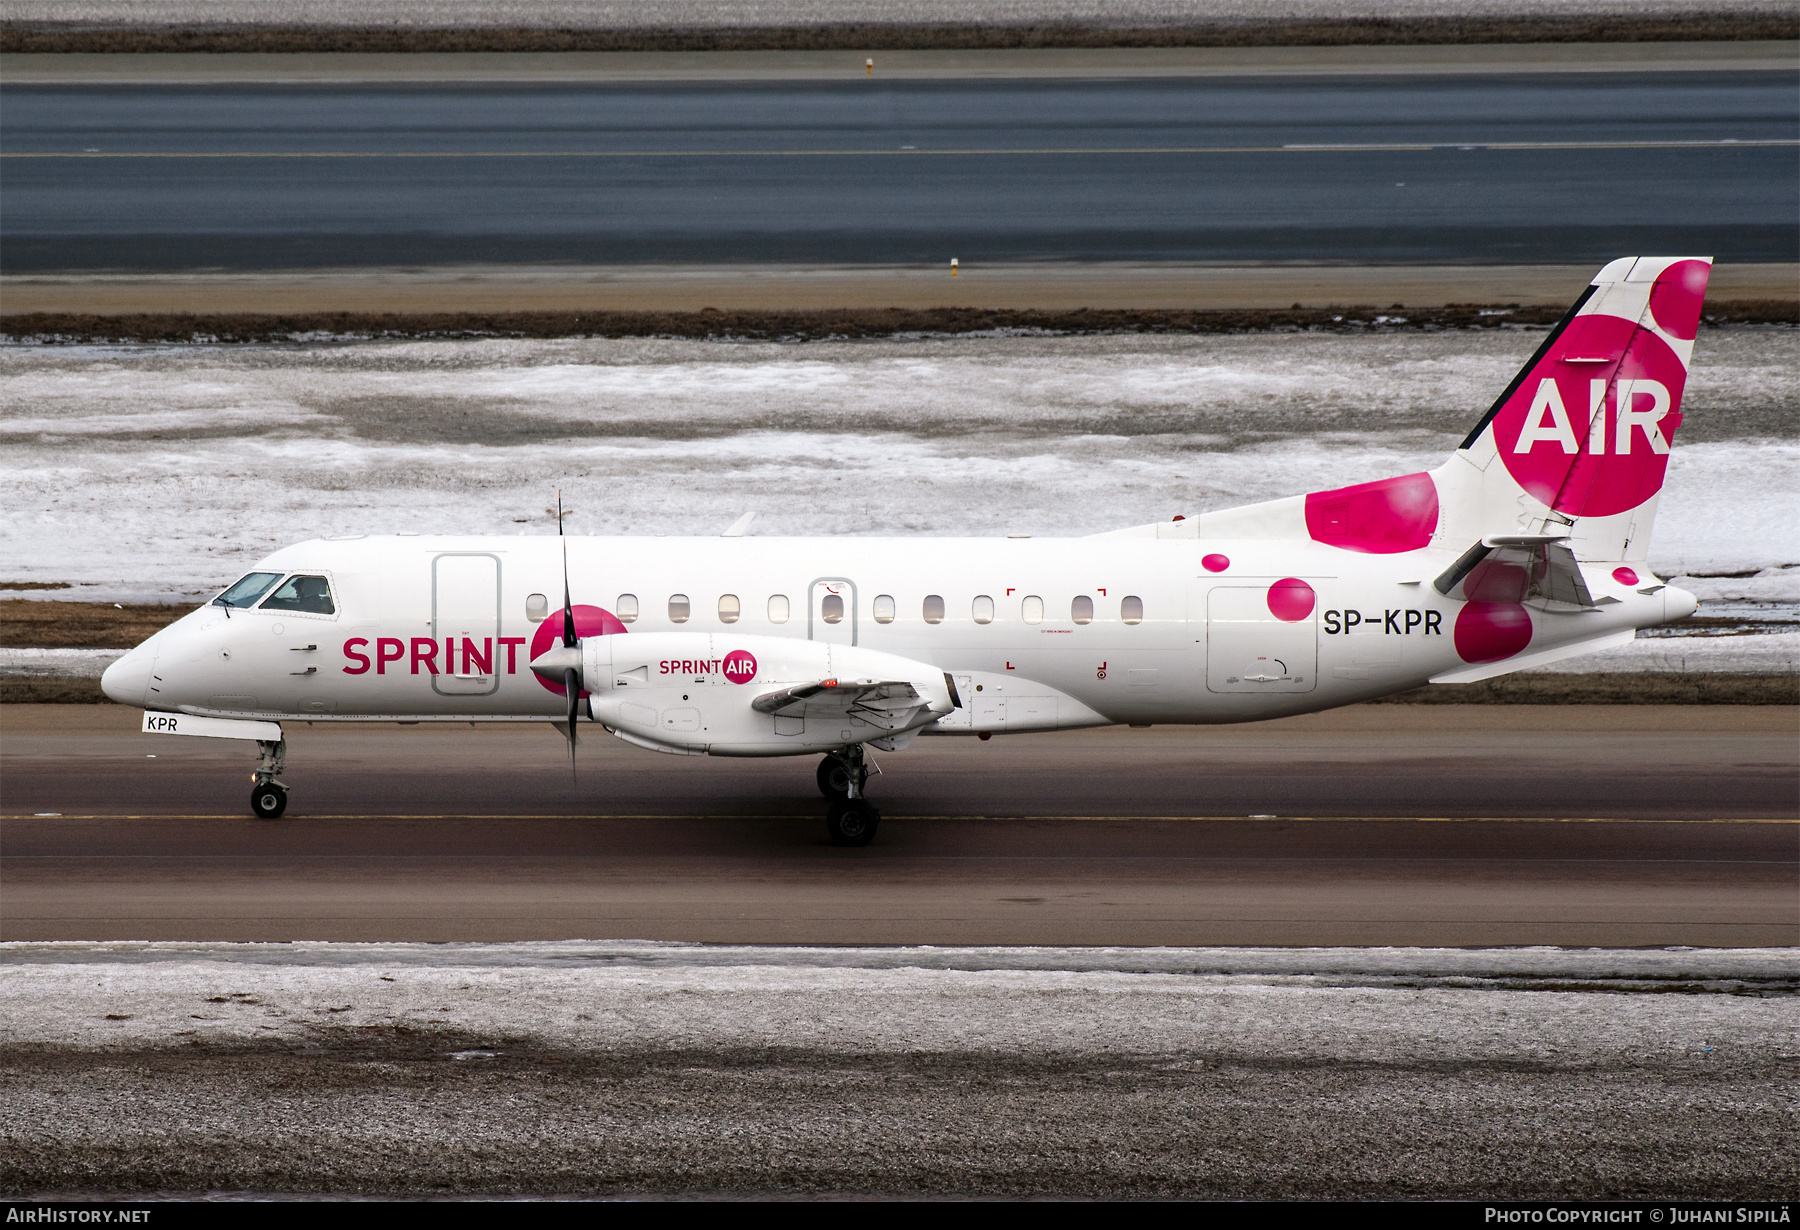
(1250, 649)
(465, 618)
(832, 617)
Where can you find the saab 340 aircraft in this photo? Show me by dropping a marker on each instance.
(1527, 546)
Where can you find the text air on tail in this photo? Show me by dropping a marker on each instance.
(1548, 503)
(1578, 443)
(1574, 450)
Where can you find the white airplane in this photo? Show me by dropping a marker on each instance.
(1526, 547)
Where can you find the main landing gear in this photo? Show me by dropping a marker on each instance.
(268, 799)
(850, 821)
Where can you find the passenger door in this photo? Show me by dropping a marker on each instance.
(465, 604)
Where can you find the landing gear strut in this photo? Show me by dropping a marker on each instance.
(850, 821)
(834, 774)
(268, 799)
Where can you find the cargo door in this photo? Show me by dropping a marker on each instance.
(1252, 648)
(465, 606)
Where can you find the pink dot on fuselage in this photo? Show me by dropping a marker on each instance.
(1490, 631)
(1291, 600)
(1215, 563)
(1624, 576)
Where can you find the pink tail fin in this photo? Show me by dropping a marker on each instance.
(1583, 432)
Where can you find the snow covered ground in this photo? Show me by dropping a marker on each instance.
(621, 1067)
(160, 473)
(620, 995)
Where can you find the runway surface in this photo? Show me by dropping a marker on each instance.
(1499, 168)
(1380, 825)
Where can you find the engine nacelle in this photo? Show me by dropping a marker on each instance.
(697, 693)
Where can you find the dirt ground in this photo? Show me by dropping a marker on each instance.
(852, 301)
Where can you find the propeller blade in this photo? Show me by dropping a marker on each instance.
(568, 628)
(572, 686)
(571, 675)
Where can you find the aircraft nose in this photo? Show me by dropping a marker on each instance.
(127, 680)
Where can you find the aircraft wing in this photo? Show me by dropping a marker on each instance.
(885, 704)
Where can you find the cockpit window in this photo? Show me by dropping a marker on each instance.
(309, 595)
(247, 591)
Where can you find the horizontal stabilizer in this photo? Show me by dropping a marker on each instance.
(1488, 670)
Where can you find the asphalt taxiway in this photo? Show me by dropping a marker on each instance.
(1446, 825)
(1425, 168)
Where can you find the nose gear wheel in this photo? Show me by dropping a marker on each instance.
(268, 800)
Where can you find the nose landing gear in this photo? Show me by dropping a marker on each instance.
(850, 821)
(268, 798)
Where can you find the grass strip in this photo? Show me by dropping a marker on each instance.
(62, 38)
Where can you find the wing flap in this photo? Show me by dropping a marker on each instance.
(885, 704)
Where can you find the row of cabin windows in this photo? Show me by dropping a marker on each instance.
(1031, 609)
(831, 609)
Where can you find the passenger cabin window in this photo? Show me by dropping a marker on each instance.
(1082, 609)
(934, 609)
(1032, 610)
(679, 608)
(831, 610)
(729, 608)
(537, 608)
(778, 608)
(307, 595)
(1131, 610)
(884, 608)
(626, 608)
(982, 609)
(248, 590)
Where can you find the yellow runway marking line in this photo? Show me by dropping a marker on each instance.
(1084, 151)
(895, 816)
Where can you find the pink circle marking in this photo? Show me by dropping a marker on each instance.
(1678, 296)
(1215, 563)
(589, 621)
(740, 666)
(1596, 479)
(1624, 576)
(1490, 631)
(1291, 600)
